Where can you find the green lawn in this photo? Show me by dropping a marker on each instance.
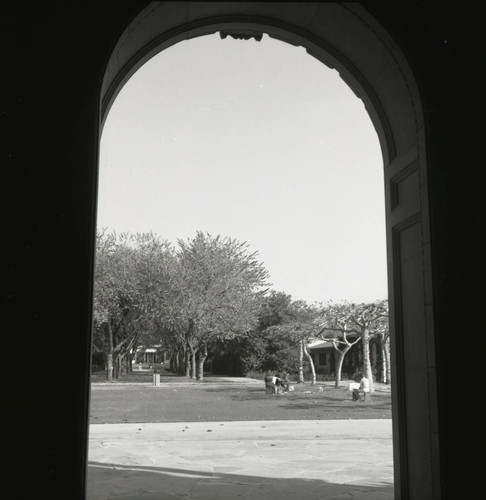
(136, 400)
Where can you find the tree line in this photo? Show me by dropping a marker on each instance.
(286, 328)
(210, 296)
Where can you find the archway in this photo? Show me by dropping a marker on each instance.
(347, 38)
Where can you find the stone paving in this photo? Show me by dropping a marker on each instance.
(304, 460)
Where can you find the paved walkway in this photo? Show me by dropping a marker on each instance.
(284, 460)
(181, 381)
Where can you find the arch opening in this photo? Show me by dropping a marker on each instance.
(349, 39)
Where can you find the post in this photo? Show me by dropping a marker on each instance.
(156, 378)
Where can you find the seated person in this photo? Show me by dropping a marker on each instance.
(282, 382)
(355, 391)
(364, 386)
(270, 383)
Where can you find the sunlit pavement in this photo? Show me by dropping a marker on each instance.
(304, 460)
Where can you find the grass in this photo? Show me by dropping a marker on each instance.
(134, 399)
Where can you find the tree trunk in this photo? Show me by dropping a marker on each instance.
(386, 357)
(187, 363)
(189, 336)
(339, 366)
(383, 360)
(193, 365)
(109, 353)
(311, 362)
(121, 365)
(301, 362)
(368, 373)
(130, 354)
(109, 367)
(121, 369)
(182, 362)
(203, 354)
(373, 355)
(193, 360)
(118, 365)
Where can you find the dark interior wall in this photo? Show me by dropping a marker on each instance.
(52, 66)
(446, 52)
(53, 57)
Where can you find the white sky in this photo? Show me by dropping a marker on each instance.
(257, 141)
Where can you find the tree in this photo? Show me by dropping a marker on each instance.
(336, 328)
(275, 309)
(268, 348)
(279, 343)
(383, 334)
(131, 288)
(357, 322)
(113, 295)
(369, 318)
(218, 285)
(301, 329)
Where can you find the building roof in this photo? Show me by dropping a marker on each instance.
(319, 344)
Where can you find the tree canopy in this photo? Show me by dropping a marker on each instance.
(209, 294)
(207, 289)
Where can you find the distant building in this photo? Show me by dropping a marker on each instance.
(322, 353)
(150, 355)
(323, 356)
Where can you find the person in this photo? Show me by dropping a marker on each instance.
(279, 383)
(364, 386)
(283, 382)
(270, 383)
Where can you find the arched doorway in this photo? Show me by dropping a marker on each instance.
(347, 38)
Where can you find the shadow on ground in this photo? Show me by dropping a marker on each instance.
(110, 482)
(255, 394)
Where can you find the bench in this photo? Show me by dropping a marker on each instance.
(356, 390)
